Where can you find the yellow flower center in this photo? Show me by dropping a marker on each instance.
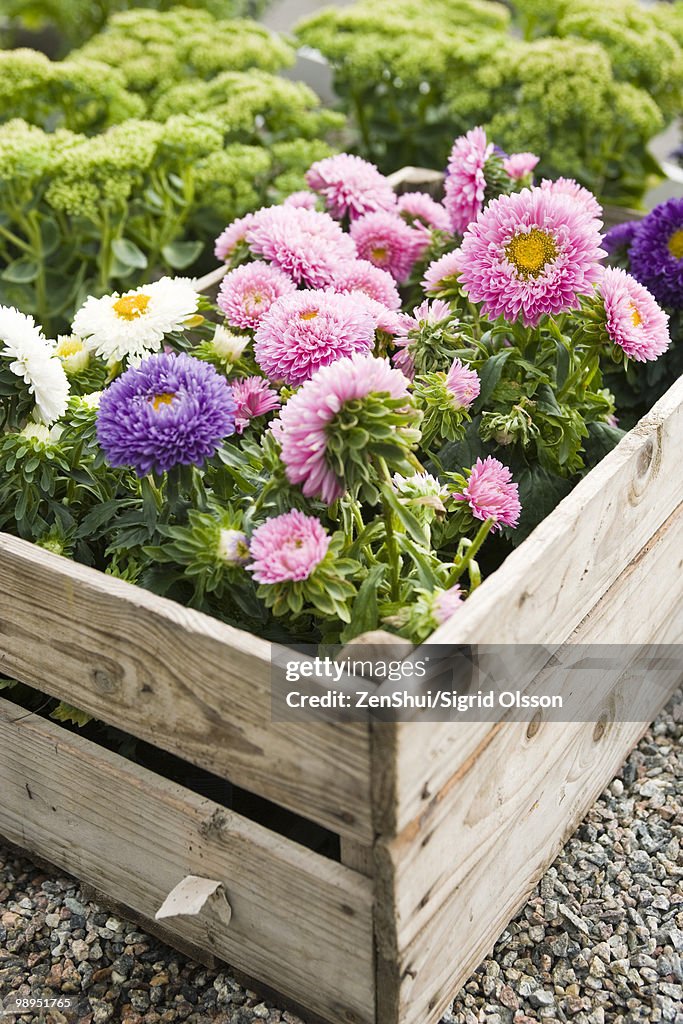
(380, 254)
(69, 347)
(164, 399)
(531, 251)
(310, 314)
(676, 244)
(635, 315)
(129, 307)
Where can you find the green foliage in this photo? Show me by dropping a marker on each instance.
(73, 21)
(587, 100)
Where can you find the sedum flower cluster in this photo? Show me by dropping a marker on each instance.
(586, 87)
(387, 393)
(114, 175)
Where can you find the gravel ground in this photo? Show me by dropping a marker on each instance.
(599, 942)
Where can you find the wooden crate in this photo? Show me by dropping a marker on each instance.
(425, 814)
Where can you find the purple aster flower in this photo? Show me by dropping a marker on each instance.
(171, 410)
(656, 253)
(248, 292)
(310, 329)
(530, 254)
(619, 238)
(350, 185)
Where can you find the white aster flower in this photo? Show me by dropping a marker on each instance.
(233, 547)
(421, 489)
(72, 352)
(132, 325)
(40, 433)
(228, 346)
(33, 360)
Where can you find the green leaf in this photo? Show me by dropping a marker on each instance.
(539, 493)
(21, 271)
(602, 438)
(462, 454)
(67, 713)
(181, 254)
(489, 375)
(128, 254)
(404, 515)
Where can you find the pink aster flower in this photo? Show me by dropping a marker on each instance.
(389, 243)
(306, 416)
(302, 198)
(532, 253)
(440, 271)
(253, 397)
(518, 165)
(309, 329)
(231, 237)
(388, 321)
(419, 206)
(463, 384)
(465, 184)
(633, 319)
(427, 314)
(491, 494)
(446, 603)
(288, 547)
(350, 185)
(305, 244)
(362, 276)
(247, 292)
(568, 187)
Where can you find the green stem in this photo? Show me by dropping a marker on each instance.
(391, 542)
(462, 563)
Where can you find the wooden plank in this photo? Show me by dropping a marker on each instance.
(178, 679)
(514, 802)
(589, 540)
(300, 922)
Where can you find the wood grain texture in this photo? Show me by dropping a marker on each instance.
(181, 680)
(514, 801)
(300, 922)
(605, 525)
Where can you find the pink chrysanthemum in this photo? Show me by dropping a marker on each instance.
(531, 253)
(232, 236)
(248, 292)
(303, 199)
(253, 397)
(362, 276)
(465, 184)
(389, 243)
(420, 207)
(426, 314)
(491, 494)
(310, 329)
(389, 321)
(350, 185)
(446, 603)
(582, 197)
(306, 416)
(518, 165)
(287, 547)
(463, 384)
(305, 244)
(633, 319)
(440, 271)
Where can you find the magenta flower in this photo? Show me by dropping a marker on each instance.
(231, 237)
(253, 397)
(388, 321)
(441, 272)
(288, 547)
(568, 187)
(420, 207)
(491, 494)
(310, 329)
(532, 253)
(463, 384)
(301, 198)
(350, 185)
(465, 184)
(446, 603)
(362, 276)
(518, 165)
(249, 291)
(389, 243)
(306, 418)
(305, 244)
(633, 319)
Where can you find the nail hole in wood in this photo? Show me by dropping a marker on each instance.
(534, 726)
